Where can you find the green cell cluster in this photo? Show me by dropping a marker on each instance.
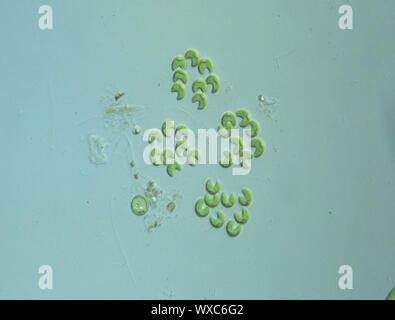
(168, 157)
(210, 201)
(232, 120)
(201, 85)
(215, 202)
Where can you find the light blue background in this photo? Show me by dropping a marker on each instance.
(323, 191)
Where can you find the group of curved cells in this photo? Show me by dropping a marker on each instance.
(228, 123)
(167, 157)
(200, 85)
(213, 198)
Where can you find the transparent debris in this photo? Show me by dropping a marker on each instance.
(266, 100)
(97, 152)
(267, 105)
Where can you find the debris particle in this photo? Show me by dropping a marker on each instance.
(266, 101)
(97, 145)
(171, 206)
(119, 95)
(153, 192)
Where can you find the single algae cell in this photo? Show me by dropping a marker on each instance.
(243, 217)
(259, 146)
(219, 221)
(193, 55)
(200, 209)
(229, 119)
(205, 63)
(245, 199)
(212, 201)
(211, 188)
(254, 128)
(214, 81)
(245, 116)
(199, 84)
(179, 62)
(171, 168)
(230, 201)
(179, 87)
(201, 98)
(140, 205)
(137, 130)
(180, 74)
(233, 229)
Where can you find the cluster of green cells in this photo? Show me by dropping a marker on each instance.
(200, 85)
(168, 157)
(229, 121)
(214, 197)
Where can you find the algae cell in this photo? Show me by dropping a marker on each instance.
(140, 205)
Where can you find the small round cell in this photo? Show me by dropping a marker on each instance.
(137, 130)
(140, 205)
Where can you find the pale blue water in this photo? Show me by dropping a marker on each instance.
(323, 190)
